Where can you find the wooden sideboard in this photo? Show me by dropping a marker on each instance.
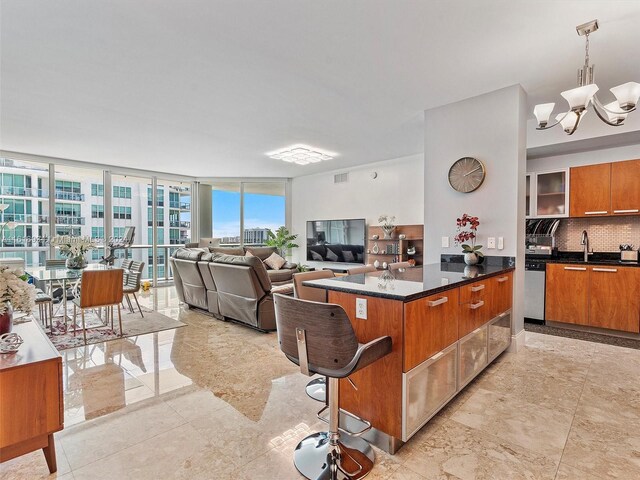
(31, 390)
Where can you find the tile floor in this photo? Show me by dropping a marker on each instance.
(215, 400)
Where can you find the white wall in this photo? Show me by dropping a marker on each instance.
(584, 158)
(397, 190)
(499, 140)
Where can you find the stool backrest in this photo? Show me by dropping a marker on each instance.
(101, 287)
(363, 269)
(399, 265)
(330, 340)
(310, 293)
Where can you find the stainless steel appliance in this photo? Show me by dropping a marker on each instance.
(540, 246)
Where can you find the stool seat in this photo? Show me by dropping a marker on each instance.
(320, 339)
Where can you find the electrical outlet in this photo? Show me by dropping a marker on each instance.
(445, 242)
(491, 242)
(500, 243)
(361, 308)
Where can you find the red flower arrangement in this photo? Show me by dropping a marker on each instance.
(468, 235)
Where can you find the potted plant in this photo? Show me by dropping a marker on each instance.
(74, 248)
(282, 240)
(387, 222)
(471, 251)
(15, 293)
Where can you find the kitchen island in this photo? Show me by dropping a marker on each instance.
(447, 322)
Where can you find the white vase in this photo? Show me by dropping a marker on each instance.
(376, 264)
(384, 265)
(471, 258)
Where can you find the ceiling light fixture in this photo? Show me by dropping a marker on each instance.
(301, 154)
(584, 95)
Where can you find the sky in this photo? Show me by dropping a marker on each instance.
(261, 211)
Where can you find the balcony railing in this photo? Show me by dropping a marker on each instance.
(69, 220)
(75, 197)
(24, 218)
(185, 206)
(178, 224)
(23, 192)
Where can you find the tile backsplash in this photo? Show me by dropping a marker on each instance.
(605, 233)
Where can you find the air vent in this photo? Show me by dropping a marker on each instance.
(341, 178)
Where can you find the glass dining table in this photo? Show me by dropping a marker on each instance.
(62, 276)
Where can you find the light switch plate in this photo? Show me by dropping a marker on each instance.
(361, 308)
(500, 243)
(445, 242)
(491, 242)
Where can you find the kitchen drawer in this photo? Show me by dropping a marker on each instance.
(499, 334)
(473, 315)
(474, 292)
(427, 387)
(430, 325)
(473, 355)
(501, 288)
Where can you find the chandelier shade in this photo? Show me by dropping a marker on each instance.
(584, 96)
(627, 94)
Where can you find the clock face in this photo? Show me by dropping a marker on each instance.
(466, 174)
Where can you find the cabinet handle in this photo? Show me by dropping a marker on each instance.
(437, 355)
(612, 270)
(477, 288)
(631, 210)
(503, 279)
(440, 301)
(597, 212)
(581, 269)
(473, 306)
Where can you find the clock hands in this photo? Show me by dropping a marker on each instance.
(474, 170)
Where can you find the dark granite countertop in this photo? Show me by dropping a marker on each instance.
(413, 283)
(597, 258)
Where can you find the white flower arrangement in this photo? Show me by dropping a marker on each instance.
(72, 246)
(15, 290)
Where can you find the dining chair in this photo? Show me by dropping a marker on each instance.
(363, 269)
(100, 288)
(399, 265)
(131, 283)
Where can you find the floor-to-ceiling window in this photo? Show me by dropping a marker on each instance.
(176, 218)
(260, 205)
(24, 211)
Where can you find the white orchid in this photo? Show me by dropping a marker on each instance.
(14, 290)
(72, 246)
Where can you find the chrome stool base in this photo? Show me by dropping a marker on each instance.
(316, 458)
(317, 389)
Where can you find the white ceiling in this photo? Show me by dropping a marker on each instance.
(206, 87)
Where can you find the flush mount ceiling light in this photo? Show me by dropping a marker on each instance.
(584, 95)
(301, 154)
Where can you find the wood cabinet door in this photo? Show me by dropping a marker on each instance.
(501, 288)
(625, 187)
(590, 190)
(614, 300)
(430, 325)
(567, 293)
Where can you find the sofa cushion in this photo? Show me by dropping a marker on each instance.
(279, 276)
(227, 250)
(286, 289)
(331, 255)
(192, 254)
(316, 256)
(262, 252)
(254, 262)
(347, 255)
(275, 261)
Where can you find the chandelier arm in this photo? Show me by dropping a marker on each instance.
(575, 125)
(605, 120)
(547, 127)
(597, 101)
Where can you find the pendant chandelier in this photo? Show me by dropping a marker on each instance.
(584, 96)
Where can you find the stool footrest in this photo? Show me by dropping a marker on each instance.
(367, 424)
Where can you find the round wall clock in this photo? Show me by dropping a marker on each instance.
(466, 174)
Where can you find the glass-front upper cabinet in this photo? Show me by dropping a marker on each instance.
(548, 194)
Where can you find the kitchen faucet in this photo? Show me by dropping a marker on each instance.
(584, 240)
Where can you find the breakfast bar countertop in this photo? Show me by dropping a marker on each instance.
(413, 283)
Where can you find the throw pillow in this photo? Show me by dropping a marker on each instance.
(331, 255)
(348, 255)
(316, 256)
(249, 254)
(275, 261)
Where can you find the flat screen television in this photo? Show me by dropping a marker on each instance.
(336, 240)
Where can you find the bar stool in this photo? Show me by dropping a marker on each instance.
(320, 339)
(363, 269)
(316, 388)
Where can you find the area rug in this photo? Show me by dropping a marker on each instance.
(132, 325)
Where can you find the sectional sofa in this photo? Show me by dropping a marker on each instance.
(230, 285)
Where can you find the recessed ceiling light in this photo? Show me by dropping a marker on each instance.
(301, 154)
